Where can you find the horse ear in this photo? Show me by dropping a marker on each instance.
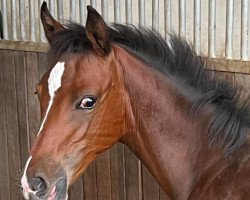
(97, 33)
(50, 25)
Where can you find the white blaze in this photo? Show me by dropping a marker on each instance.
(54, 83)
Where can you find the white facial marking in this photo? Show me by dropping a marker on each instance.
(24, 181)
(54, 83)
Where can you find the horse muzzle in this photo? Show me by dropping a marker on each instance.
(57, 191)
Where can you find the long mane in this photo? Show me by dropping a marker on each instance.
(230, 119)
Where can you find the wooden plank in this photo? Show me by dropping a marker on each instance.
(24, 46)
(77, 190)
(114, 173)
(4, 162)
(131, 175)
(150, 187)
(90, 185)
(12, 125)
(224, 65)
(217, 64)
(42, 64)
(117, 171)
(33, 105)
(103, 176)
(21, 92)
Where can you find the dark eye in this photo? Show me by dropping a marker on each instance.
(87, 103)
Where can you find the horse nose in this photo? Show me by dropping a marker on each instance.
(38, 185)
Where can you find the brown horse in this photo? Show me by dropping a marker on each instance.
(105, 85)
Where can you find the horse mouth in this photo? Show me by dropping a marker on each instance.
(57, 192)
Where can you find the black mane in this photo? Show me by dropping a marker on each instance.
(231, 114)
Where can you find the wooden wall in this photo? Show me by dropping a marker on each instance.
(115, 175)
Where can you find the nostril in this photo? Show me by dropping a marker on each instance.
(38, 185)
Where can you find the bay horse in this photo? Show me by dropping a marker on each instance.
(109, 84)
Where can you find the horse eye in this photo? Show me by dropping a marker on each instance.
(87, 103)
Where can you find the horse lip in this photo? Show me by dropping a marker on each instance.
(60, 190)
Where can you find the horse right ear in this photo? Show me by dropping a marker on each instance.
(50, 25)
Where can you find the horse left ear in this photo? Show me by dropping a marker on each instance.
(97, 33)
(50, 25)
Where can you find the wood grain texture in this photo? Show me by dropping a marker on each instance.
(117, 170)
(21, 92)
(77, 190)
(131, 176)
(12, 130)
(114, 173)
(90, 185)
(217, 64)
(151, 190)
(4, 161)
(103, 176)
(42, 64)
(33, 105)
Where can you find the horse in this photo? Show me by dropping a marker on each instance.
(109, 84)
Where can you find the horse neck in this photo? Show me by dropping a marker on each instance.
(169, 142)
